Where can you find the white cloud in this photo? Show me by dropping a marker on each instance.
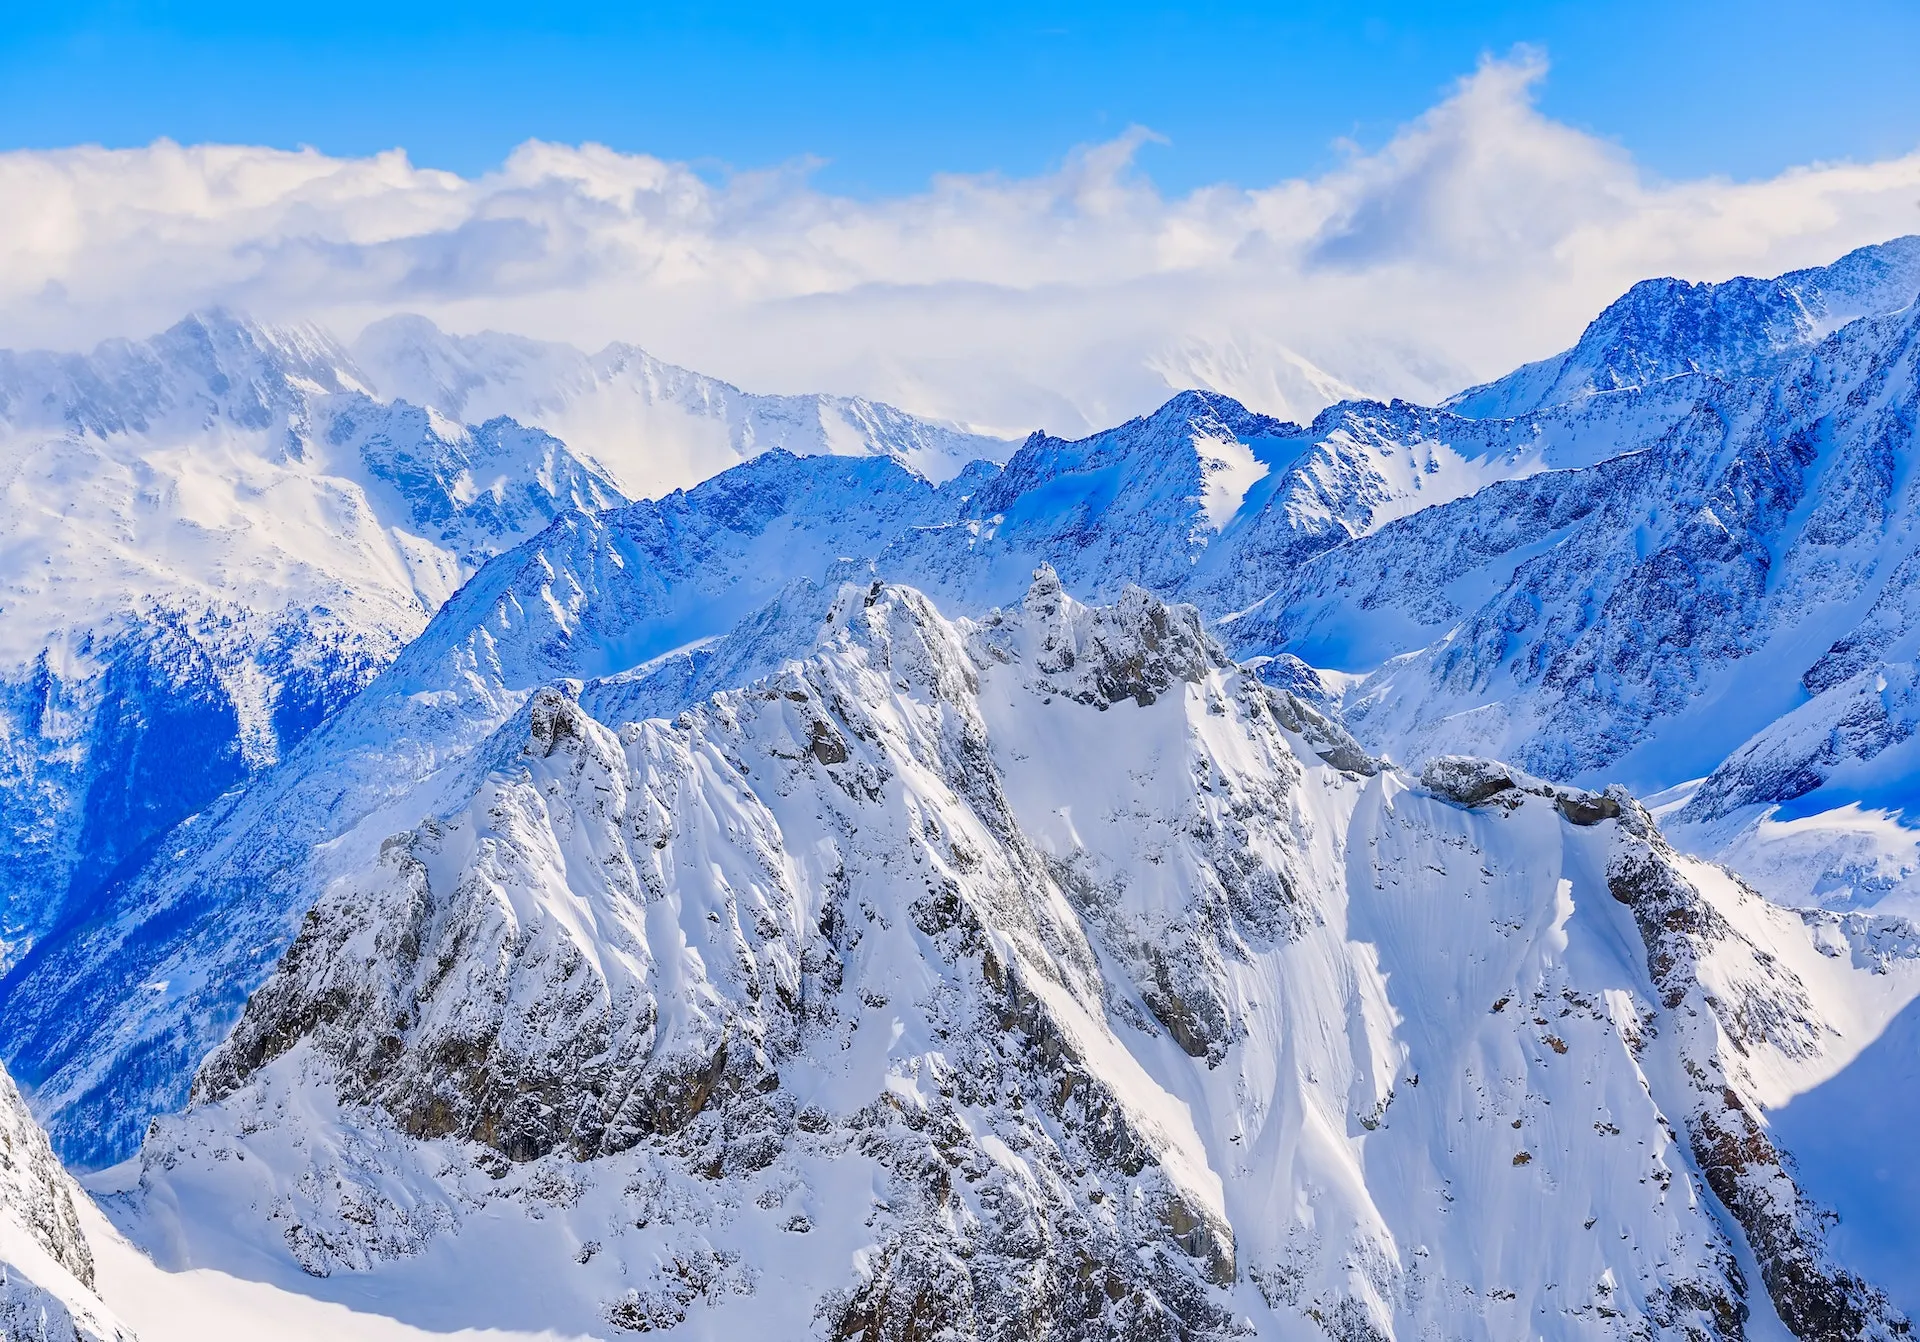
(1482, 235)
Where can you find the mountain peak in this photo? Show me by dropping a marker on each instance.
(1200, 406)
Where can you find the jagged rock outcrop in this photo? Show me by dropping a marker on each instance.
(1474, 782)
(487, 1013)
(46, 1266)
(35, 1190)
(1727, 999)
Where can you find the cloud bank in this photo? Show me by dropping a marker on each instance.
(1483, 235)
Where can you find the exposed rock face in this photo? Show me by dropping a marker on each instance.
(46, 1268)
(34, 1189)
(482, 1013)
(1473, 782)
(1757, 1003)
(1039, 976)
(1852, 722)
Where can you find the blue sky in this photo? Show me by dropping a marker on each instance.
(1396, 201)
(888, 95)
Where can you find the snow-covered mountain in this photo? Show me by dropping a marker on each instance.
(1216, 502)
(1209, 501)
(216, 537)
(1739, 328)
(1042, 970)
(109, 1016)
(1367, 536)
(772, 899)
(1744, 573)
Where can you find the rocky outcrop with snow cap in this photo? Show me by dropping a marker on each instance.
(111, 1016)
(1739, 1010)
(46, 1267)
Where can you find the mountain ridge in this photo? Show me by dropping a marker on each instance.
(1735, 328)
(222, 531)
(920, 971)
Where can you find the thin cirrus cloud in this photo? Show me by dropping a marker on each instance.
(1482, 235)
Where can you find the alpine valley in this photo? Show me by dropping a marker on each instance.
(508, 842)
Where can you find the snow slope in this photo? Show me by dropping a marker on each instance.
(1046, 968)
(211, 540)
(207, 1305)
